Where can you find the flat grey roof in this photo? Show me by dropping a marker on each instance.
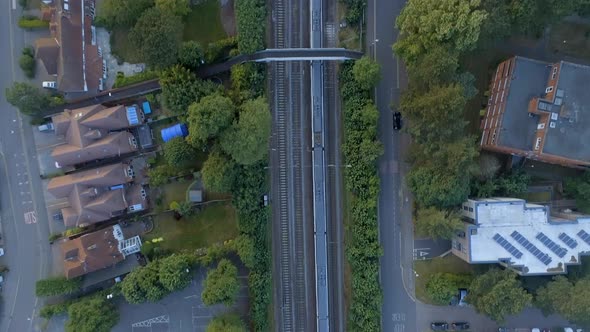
(571, 136)
(529, 78)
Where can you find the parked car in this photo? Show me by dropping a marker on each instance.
(439, 326)
(49, 84)
(46, 127)
(460, 326)
(397, 121)
(462, 295)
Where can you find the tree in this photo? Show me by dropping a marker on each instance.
(435, 116)
(142, 284)
(569, 299)
(247, 139)
(174, 271)
(57, 286)
(156, 37)
(226, 323)
(160, 175)
(217, 172)
(208, 118)
(438, 224)
(366, 72)
(181, 88)
(247, 80)
(93, 314)
(221, 284)
(28, 99)
(186, 209)
(489, 165)
(122, 13)
(579, 189)
(425, 24)
(27, 62)
(246, 250)
(179, 8)
(442, 287)
(191, 54)
(497, 293)
(177, 151)
(435, 67)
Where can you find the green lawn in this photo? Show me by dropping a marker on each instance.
(576, 37)
(174, 191)
(214, 224)
(426, 268)
(203, 23)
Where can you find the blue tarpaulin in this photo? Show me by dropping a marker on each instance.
(178, 130)
(146, 107)
(132, 116)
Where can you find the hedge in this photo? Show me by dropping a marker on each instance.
(250, 21)
(361, 150)
(29, 23)
(123, 80)
(57, 286)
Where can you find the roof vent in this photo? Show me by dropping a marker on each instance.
(559, 93)
(554, 116)
(552, 124)
(558, 101)
(549, 89)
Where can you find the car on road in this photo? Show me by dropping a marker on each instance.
(1, 251)
(439, 326)
(46, 127)
(397, 121)
(460, 326)
(49, 84)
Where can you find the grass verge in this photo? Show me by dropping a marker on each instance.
(120, 46)
(570, 38)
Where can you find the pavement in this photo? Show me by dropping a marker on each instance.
(23, 214)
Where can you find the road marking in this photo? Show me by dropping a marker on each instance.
(30, 217)
(13, 4)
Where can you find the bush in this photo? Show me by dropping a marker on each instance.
(30, 23)
(74, 231)
(57, 286)
(218, 50)
(443, 286)
(51, 310)
(123, 80)
(251, 33)
(54, 237)
(27, 62)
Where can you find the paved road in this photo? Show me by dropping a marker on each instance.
(23, 213)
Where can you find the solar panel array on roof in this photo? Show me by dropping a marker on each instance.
(543, 257)
(507, 245)
(584, 236)
(557, 249)
(568, 240)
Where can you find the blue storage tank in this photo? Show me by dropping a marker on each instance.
(178, 130)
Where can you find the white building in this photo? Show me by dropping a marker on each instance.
(522, 236)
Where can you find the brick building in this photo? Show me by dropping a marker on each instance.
(540, 111)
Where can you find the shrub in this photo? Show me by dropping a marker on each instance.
(51, 310)
(250, 31)
(27, 62)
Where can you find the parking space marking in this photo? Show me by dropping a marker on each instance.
(30, 217)
(161, 323)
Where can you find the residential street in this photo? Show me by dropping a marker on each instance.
(23, 216)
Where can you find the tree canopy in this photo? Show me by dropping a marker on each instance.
(29, 99)
(366, 72)
(221, 284)
(246, 141)
(179, 8)
(175, 271)
(190, 54)
(498, 293)
(92, 314)
(438, 224)
(217, 172)
(442, 287)
(156, 37)
(208, 118)
(250, 29)
(424, 24)
(567, 298)
(122, 13)
(579, 189)
(181, 88)
(177, 151)
(226, 323)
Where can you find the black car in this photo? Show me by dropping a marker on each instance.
(397, 121)
(439, 326)
(458, 326)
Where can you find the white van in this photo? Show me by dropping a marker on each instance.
(50, 84)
